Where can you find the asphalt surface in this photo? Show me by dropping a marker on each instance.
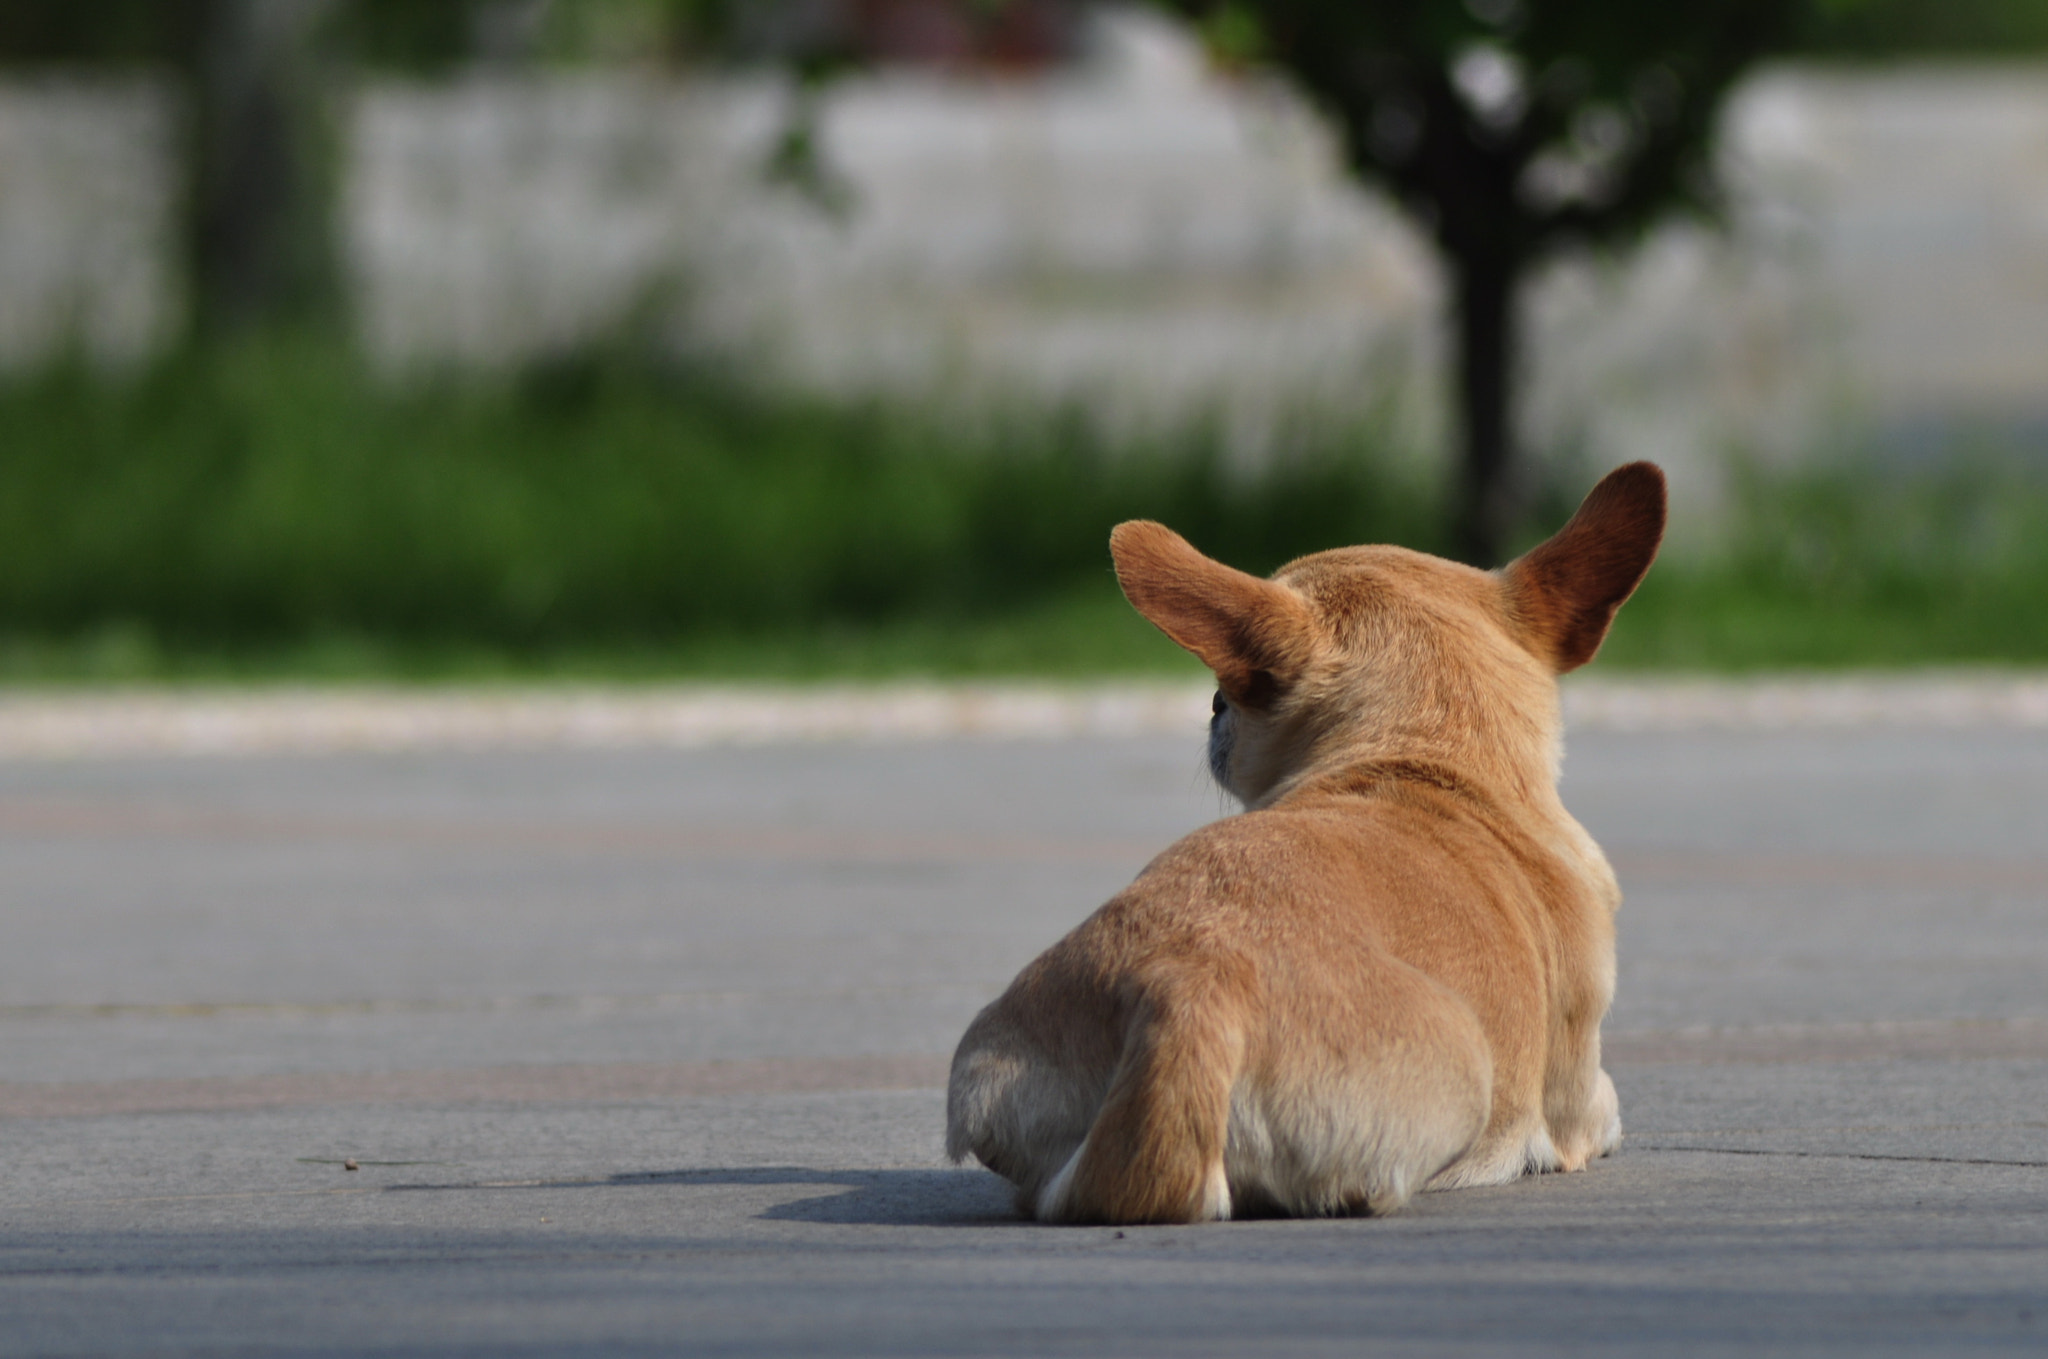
(640, 1053)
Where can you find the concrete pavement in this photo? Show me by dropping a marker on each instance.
(637, 1051)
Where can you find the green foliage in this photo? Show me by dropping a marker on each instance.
(101, 31)
(422, 36)
(431, 36)
(1928, 28)
(270, 494)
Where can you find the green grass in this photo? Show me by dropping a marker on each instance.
(269, 513)
(1084, 634)
(1858, 564)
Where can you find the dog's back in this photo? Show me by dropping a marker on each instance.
(1390, 972)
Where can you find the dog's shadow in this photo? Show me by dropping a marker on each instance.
(910, 1198)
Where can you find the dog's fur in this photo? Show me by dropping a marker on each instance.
(1389, 973)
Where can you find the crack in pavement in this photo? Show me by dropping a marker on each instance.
(1842, 1155)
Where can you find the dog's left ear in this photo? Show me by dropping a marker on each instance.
(1563, 592)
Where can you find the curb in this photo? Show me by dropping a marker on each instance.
(224, 722)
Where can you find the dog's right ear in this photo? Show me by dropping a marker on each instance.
(1564, 591)
(1251, 632)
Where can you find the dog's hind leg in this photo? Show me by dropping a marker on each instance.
(1155, 1151)
(1015, 1108)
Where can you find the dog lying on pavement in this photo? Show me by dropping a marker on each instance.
(1389, 974)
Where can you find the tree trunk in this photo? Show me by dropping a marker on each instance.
(260, 238)
(1484, 302)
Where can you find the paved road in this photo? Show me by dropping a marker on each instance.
(639, 1053)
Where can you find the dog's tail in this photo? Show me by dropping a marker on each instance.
(1155, 1150)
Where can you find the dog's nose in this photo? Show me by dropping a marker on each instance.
(1217, 705)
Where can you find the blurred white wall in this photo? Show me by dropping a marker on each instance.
(1135, 235)
(88, 191)
(1882, 278)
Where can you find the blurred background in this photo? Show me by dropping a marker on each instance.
(460, 338)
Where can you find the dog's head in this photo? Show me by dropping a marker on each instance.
(1366, 652)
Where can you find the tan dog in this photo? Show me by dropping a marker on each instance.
(1389, 973)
